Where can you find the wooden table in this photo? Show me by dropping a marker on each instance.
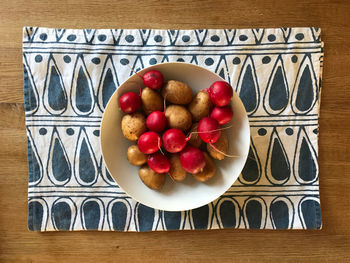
(330, 244)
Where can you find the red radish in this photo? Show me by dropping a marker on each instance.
(156, 121)
(149, 142)
(153, 79)
(174, 140)
(222, 114)
(130, 102)
(220, 93)
(208, 130)
(158, 163)
(192, 159)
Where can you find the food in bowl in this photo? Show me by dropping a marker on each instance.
(169, 125)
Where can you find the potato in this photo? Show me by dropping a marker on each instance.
(178, 117)
(133, 125)
(135, 157)
(151, 100)
(195, 140)
(150, 178)
(177, 92)
(200, 106)
(221, 145)
(177, 172)
(208, 170)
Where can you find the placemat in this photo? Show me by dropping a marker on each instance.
(70, 74)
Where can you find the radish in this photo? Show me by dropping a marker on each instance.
(153, 79)
(174, 140)
(220, 93)
(149, 142)
(158, 163)
(222, 114)
(192, 159)
(130, 102)
(156, 121)
(208, 130)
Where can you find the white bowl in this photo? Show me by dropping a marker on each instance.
(190, 193)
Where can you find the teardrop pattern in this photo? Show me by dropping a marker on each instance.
(254, 213)
(251, 172)
(247, 87)
(310, 212)
(58, 166)
(82, 92)
(277, 167)
(276, 97)
(85, 163)
(106, 176)
(37, 214)
(34, 161)
(55, 94)
(92, 212)
(282, 213)
(119, 214)
(200, 217)
(222, 69)
(144, 217)
(305, 163)
(64, 213)
(228, 213)
(172, 220)
(30, 91)
(305, 90)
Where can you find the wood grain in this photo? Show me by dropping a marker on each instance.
(332, 243)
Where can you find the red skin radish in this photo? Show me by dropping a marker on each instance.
(222, 114)
(208, 130)
(174, 140)
(153, 79)
(156, 121)
(220, 93)
(149, 142)
(192, 159)
(130, 102)
(158, 163)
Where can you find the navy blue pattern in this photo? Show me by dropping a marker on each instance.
(69, 76)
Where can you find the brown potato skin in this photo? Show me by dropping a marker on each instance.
(178, 117)
(195, 140)
(200, 106)
(135, 157)
(133, 125)
(177, 172)
(208, 171)
(221, 144)
(150, 178)
(151, 100)
(177, 92)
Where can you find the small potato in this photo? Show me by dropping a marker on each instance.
(177, 92)
(200, 106)
(177, 172)
(150, 178)
(135, 157)
(208, 170)
(151, 100)
(195, 140)
(178, 117)
(221, 145)
(133, 125)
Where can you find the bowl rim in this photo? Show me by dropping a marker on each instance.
(101, 129)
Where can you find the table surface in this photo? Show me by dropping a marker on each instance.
(332, 243)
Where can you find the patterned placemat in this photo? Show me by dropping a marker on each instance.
(70, 74)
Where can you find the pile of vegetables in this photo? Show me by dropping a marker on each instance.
(169, 125)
